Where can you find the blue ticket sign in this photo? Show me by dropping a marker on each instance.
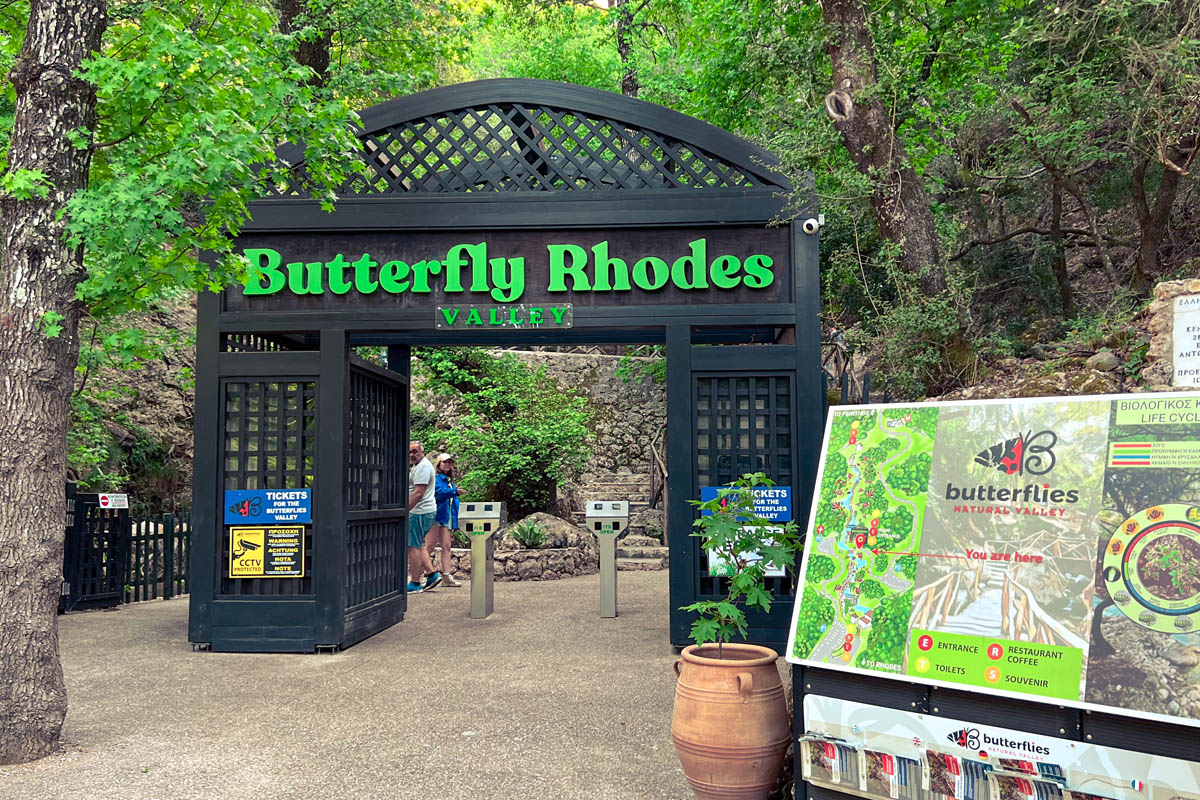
(270, 506)
(771, 502)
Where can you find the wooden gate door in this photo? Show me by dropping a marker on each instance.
(736, 410)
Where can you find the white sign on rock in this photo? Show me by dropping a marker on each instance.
(1185, 341)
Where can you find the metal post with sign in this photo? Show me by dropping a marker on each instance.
(482, 521)
(606, 519)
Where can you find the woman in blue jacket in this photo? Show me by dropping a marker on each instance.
(445, 519)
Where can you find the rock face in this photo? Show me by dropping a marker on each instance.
(1149, 671)
(629, 418)
(1159, 368)
(569, 551)
(533, 565)
(1104, 361)
(559, 533)
(629, 415)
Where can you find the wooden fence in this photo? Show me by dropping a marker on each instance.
(160, 551)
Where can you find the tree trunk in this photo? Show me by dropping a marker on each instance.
(315, 53)
(903, 208)
(38, 275)
(1058, 260)
(629, 76)
(1152, 222)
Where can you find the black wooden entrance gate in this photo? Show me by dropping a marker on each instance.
(95, 553)
(513, 198)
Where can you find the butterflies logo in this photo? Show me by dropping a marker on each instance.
(1031, 453)
(967, 737)
(247, 509)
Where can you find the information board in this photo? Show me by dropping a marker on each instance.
(889, 754)
(266, 552)
(268, 506)
(1044, 548)
(1185, 341)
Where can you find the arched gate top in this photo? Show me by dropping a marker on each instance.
(521, 135)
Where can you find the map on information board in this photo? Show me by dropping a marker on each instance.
(1043, 548)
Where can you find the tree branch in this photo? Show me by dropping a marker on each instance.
(1033, 229)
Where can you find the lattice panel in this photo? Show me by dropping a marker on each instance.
(743, 424)
(373, 478)
(270, 440)
(256, 343)
(373, 565)
(515, 147)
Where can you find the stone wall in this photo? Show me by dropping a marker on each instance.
(628, 419)
(628, 415)
(1159, 370)
(533, 565)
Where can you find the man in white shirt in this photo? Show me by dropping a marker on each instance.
(421, 508)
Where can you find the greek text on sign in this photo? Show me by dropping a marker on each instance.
(114, 501)
(268, 506)
(1185, 341)
(770, 502)
(266, 552)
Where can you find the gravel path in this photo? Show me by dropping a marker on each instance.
(545, 699)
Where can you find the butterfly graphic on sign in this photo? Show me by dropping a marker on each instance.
(247, 509)
(1031, 453)
(967, 737)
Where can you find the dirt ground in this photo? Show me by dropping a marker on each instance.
(545, 699)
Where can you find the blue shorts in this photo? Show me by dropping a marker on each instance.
(418, 526)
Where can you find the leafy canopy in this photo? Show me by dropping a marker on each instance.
(521, 434)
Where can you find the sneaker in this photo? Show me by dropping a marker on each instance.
(450, 580)
(431, 581)
(414, 588)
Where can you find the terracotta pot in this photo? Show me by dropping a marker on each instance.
(731, 726)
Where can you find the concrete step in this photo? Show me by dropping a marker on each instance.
(641, 564)
(637, 496)
(638, 540)
(620, 478)
(626, 551)
(578, 517)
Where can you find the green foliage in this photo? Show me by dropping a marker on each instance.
(816, 614)
(820, 568)
(728, 529)
(192, 96)
(521, 434)
(24, 184)
(880, 564)
(551, 41)
(908, 566)
(643, 362)
(912, 475)
(529, 535)
(871, 588)
(192, 100)
(106, 450)
(459, 539)
(889, 631)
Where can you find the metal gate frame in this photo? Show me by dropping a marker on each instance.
(685, 175)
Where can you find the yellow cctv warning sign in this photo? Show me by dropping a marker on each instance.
(266, 552)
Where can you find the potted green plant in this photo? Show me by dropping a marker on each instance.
(731, 727)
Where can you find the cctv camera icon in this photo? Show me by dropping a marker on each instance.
(246, 546)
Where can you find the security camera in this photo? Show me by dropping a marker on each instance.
(811, 225)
